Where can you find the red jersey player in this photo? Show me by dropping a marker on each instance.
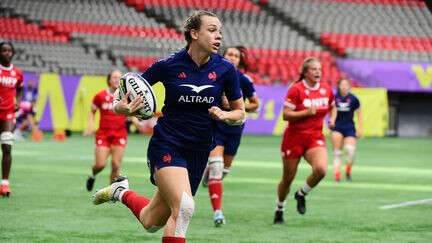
(307, 103)
(11, 82)
(111, 137)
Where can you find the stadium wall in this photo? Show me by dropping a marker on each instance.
(64, 103)
(410, 92)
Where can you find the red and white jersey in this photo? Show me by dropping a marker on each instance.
(10, 78)
(301, 97)
(108, 119)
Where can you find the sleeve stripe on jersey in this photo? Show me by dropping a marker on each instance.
(289, 105)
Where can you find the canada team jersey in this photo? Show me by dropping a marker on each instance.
(10, 78)
(346, 105)
(108, 119)
(189, 92)
(248, 90)
(301, 97)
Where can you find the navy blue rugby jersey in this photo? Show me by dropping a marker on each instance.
(345, 109)
(248, 90)
(189, 92)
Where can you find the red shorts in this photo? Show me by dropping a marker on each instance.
(295, 144)
(7, 115)
(108, 138)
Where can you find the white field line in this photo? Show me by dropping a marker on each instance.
(406, 204)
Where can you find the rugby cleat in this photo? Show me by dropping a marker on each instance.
(278, 218)
(301, 203)
(90, 183)
(111, 193)
(5, 191)
(218, 218)
(205, 178)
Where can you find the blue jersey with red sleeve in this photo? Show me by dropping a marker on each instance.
(346, 105)
(248, 90)
(189, 92)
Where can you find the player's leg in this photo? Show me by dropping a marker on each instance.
(117, 153)
(101, 154)
(7, 140)
(215, 169)
(19, 131)
(350, 147)
(317, 158)
(173, 184)
(228, 159)
(288, 173)
(337, 142)
(231, 147)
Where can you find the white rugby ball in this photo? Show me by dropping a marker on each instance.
(138, 86)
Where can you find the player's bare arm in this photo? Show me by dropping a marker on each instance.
(359, 131)
(333, 115)
(291, 115)
(235, 116)
(253, 104)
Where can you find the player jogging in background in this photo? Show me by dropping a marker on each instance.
(344, 133)
(111, 137)
(228, 137)
(307, 103)
(194, 79)
(11, 82)
(25, 116)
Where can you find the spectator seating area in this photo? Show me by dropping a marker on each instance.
(93, 37)
(367, 29)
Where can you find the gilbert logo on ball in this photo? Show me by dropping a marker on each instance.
(138, 86)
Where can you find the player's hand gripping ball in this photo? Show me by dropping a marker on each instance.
(138, 86)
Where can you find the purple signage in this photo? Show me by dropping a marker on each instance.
(394, 76)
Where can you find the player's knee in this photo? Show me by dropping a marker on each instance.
(350, 152)
(183, 214)
(7, 138)
(337, 153)
(319, 171)
(152, 228)
(215, 165)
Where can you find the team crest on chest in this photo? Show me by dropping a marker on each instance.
(322, 91)
(307, 92)
(212, 76)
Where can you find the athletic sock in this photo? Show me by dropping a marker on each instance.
(4, 182)
(170, 239)
(215, 192)
(348, 169)
(280, 206)
(305, 189)
(134, 202)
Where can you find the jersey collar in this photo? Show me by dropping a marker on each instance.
(6, 68)
(191, 62)
(315, 87)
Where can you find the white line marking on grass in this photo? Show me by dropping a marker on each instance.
(405, 204)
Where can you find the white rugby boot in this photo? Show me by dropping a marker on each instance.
(111, 193)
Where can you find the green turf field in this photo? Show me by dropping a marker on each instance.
(50, 202)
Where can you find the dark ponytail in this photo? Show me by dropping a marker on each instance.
(244, 58)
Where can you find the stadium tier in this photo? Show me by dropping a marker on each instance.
(368, 29)
(127, 34)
